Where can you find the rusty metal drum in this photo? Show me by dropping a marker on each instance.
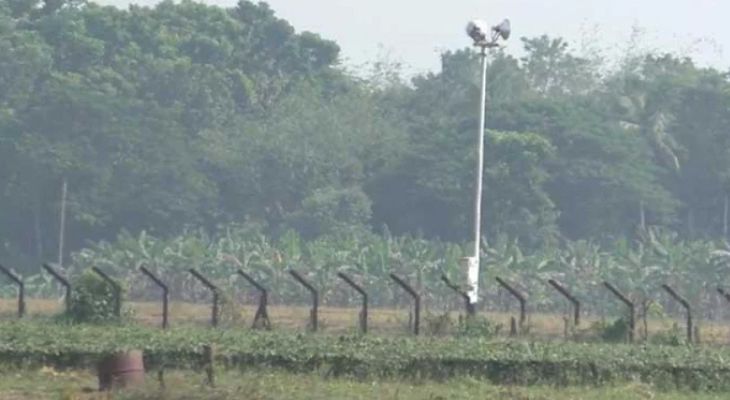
(121, 370)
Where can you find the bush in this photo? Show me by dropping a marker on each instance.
(230, 311)
(615, 332)
(672, 337)
(438, 324)
(92, 300)
(477, 326)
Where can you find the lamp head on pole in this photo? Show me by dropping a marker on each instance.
(484, 36)
(477, 30)
(504, 29)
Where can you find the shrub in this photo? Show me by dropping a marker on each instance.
(672, 337)
(477, 326)
(92, 300)
(615, 332)
(438, 324)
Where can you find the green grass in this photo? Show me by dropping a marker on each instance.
(701, 368)
(78, 385)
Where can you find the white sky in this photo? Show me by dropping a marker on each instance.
(414, 32)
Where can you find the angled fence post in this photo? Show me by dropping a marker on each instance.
(21, 289)
(681, 300)
(214, 289)
(469, 306)
(364, 310)
(261, 319)
(63, 281)
(416, 301)
(115, 286)
(570, 297)
(517, 295)
(629, 304)
(165, 293)
(724, 294)
(315, 298)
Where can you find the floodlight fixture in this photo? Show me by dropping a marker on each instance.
(477, 30)
(504, 29)
(484, 36)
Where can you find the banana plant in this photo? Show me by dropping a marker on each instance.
(658, 256)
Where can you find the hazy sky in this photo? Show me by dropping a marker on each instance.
(415, 31)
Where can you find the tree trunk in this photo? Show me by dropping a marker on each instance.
(645, 316)
(62, 224)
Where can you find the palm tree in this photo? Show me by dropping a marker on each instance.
(648, 91)
(643, 114)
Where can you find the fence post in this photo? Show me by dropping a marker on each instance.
(315, 298)
(686, 306)
(21, 289)
(364, 311)
(570, 297)
(63, 281)
(416, 301)
(724, 294)
(629, 304)
(469, 306)
(520, 298)
(165, 293)
(209, 364)
(117, 290)
(262, 314)
(214, 289)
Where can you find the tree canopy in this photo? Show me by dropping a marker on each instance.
(188, 115)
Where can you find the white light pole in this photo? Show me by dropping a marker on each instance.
(478, 31)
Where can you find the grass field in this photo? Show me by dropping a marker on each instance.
(264, 384)
(51, 384)
(275, 384)
(339, 320)
(702, 368)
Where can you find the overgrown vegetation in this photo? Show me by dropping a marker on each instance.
(638, 269)
(503, 362)
(92, 300)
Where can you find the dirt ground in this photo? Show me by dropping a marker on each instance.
(390, 321)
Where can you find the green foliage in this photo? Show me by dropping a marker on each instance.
(500, 362)
(671, 337)
(229, 311)
(92, 300)
(478, 327)
(438, 324)
(332, 211)
(185, 116)
(614, 332)
(365, 257)
(638, 269)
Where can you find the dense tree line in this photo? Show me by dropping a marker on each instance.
(188, 115)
